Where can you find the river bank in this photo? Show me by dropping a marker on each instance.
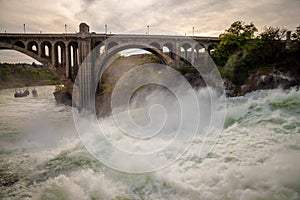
(25, 75)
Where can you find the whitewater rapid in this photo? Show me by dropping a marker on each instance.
(256, 156)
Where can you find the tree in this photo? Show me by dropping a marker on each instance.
(273, 33)
(272, 48)
(239, 28)
(233, 40)
(296, 35)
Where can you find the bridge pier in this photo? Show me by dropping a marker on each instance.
(67, 62)
(53, 62)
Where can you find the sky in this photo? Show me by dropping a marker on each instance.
(208, 17)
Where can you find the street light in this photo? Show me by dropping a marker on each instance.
(24, 28)
(105, 28)
(65, 28)
(147, 29)
(193, 31)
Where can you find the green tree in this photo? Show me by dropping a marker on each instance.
(233, 40)
(272, 47)
(273, 33)
(239, 28)
(296, 35)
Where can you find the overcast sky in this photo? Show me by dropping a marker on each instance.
(209, 17)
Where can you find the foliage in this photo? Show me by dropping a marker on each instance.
(296, 34)
(187, 69)
(273, 33)
(272, 47)
(60, 88)
(234, 39)
(20, 75)
(239, 51)
(239, 28)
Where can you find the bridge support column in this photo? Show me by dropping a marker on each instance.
(39, 49)
(193, 56)
(185, 54)
(53, 62)
(177, 54)
(84, 48)
(75, 61)
(67, 61)
(85, 87)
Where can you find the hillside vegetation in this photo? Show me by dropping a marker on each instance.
(25, 75)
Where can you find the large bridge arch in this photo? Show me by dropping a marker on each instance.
(103, 60)
(31, 54)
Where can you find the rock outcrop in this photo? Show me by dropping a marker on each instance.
(63, 97)
(270, 80)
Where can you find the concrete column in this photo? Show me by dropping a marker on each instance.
(53, 61)
(86, 79)
(67, 62)
(206, 55)
(75, 60)
(177, 56)
(84, 49)
(39, 49)
(193, 56)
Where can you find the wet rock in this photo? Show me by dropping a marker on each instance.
(229, 88)
(63, 97)
(195, 80)
(271, 80)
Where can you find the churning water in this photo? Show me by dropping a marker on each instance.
(256, 157)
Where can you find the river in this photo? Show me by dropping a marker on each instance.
(256, 156)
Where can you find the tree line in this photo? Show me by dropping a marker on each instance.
(242, 50)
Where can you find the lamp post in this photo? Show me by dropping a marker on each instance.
(105, 28)
(65, 28)
(24, 26)
(147, 29)
(193, 31)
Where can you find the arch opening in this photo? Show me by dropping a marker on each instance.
(73, 59)
(100, 48)
(211, 48)
(33, 47)
(19, 44)
(168, 49)
(156, 45)
(46, 48)
(60, 54)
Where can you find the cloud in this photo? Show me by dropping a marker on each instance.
(209, 17)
